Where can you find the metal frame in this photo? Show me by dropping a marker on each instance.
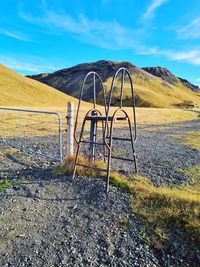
(107, 130)
(60, 159)
(133, 132)
(88, 116)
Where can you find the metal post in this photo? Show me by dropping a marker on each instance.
(70, 128)
(60, 138)
(93, 129)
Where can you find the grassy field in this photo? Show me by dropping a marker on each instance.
(20, 123)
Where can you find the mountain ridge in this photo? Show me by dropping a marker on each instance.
(154, 86)
(169, 77)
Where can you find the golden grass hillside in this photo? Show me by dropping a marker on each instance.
(19, 91)
(154, 92)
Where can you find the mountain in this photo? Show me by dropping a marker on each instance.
(189, 85)
(154, 87)
(69, 80)
(17, 90)
(169, 77)
(162, 73)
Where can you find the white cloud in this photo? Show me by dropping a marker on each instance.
(104, 34)
(28, 63)
(189, 56)
(15, 35)
(192, 30)
(151, 8)
(198, 80)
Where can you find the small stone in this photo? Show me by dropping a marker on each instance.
(16, 187)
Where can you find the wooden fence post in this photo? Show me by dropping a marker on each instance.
(70, 129)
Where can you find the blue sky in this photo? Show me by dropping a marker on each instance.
(47, 35)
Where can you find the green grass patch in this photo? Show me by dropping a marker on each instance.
(193, 172)
(5, 184)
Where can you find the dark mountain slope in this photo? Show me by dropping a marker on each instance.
(155, 87)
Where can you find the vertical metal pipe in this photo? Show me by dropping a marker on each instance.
(109, 156)
(94, 81)
(78, 148)
(132, 145)
(60, 138)
(70, 128)
(93, 127)
(122, 87)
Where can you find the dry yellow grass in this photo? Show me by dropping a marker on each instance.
(192, 139)
(155, 93)
(12, 123)
(16, 90)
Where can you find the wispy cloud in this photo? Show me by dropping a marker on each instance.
(192, 30)
(15, 35)
(28, 63)
(105, 34)
(151, 9)
(189, 56)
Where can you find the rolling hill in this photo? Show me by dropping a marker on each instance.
(154, 87)
(19, 91)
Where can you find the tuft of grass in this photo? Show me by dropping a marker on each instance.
(5, 184)
(192, 139)
(124, 222)
(193, 172)
(8, 151)
(68, 166)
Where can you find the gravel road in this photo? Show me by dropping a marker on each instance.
(53, 221)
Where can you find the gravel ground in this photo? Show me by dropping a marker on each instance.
(160, 154)
(57, 222)
(60, 223)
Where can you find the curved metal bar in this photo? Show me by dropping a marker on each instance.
(131, 134)
(109, 146)
(90, 110)
(124, 71)
(95, 75)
